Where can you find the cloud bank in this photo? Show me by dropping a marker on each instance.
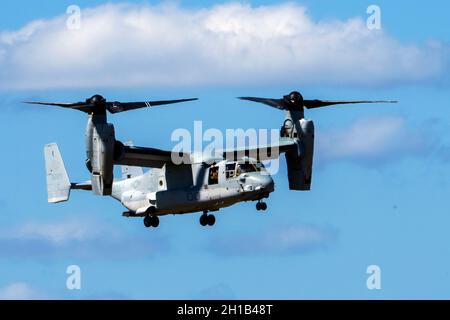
(77, 239)
(229, 44)
(290, 240)
(373, 141)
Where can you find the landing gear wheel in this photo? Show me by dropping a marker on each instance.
(151, 221)
(263, 206)
(204, 219)
(154, 221)
(211, 220)
(147, 221)
(207, 220)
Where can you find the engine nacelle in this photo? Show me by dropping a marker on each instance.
(101, 160)
(299, 163)
(119, 151)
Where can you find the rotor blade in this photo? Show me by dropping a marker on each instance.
(162, 102)
(82, 106)
(116, 107)
(275, 103)
(58, 104)
(310, 104)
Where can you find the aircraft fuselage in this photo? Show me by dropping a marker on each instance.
(206, 188)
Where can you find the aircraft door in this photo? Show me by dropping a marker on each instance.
(213, 175)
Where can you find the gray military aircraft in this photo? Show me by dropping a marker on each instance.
(195, 185)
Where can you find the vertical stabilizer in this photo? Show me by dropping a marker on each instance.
(58, 183)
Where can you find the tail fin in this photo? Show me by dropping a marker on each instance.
(58, 183)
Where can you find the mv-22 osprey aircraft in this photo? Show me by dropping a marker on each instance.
(194, 185)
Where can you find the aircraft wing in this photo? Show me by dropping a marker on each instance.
(147, 157)
(156, 158)
(262, 152)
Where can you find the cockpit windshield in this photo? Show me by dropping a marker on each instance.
(246, 167)
(233, 169)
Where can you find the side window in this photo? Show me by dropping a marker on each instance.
(213, 177)
(230, 170)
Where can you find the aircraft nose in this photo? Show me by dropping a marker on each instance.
(266, 182)
(270, 185)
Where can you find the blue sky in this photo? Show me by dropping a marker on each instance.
(380, 187)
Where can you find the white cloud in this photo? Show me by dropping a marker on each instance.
(301, 238)
(59, 233)
(22, 35)
(19, 291)
(294, 239)
(141, 45)
(77, 239)
(2, 55)
(372, 140)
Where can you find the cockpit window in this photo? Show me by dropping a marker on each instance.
(230, 170)
(246, 167)
(259, 166)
